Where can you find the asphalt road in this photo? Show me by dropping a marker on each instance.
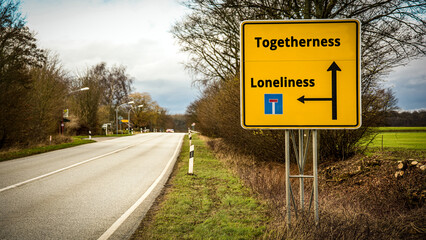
(95, 191)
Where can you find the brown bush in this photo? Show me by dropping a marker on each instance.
(58, 139)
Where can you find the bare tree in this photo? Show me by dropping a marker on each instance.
(142, 113)
(115, 83)
(47, 98)
(393, 32)
(109, 87)
(18, 51)
(149, 114)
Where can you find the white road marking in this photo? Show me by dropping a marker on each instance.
(125, 215)
(66, 168)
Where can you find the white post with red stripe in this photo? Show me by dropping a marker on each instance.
(273, 101)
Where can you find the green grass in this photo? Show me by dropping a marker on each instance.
(406, 140)
(36, 150)
(401, 129)
(211, 204)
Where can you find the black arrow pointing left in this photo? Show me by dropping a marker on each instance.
(302, 99)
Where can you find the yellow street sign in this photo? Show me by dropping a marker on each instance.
(300, 74)
(124, 120)
(65, 113)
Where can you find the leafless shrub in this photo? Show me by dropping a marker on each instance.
(361, 199)
(58, 139)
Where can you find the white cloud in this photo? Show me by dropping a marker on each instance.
(130, 33)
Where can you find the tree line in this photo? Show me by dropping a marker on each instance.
(415, 118)
(392, 34)
(39, 98)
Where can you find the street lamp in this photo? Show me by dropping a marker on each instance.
(79, 90)
(74, 91)
(139, 106)
(128, 116)
(116, 112)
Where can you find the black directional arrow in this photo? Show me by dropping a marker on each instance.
(333, 68)
(302, 99)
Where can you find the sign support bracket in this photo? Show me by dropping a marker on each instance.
(301, 155)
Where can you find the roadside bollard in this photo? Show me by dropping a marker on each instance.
(90, 135)
(191, 153)
(191, 160)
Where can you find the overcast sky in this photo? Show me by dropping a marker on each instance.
(409, 84)
(133, 33)
(136, 34)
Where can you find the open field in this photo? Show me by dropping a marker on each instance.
(413, 138)
(401, 129)
(407, 140)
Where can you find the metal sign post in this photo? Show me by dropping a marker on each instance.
(300, 75)
(301, 153)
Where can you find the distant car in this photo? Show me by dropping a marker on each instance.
(170, 130)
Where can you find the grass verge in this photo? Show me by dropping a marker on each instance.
(18, 153)
(211, 204)
(359, 198)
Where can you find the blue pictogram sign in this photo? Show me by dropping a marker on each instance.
(273, 104)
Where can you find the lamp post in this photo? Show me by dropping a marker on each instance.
(128, 118)
(74, 91)
(139, 106)
(116, 112)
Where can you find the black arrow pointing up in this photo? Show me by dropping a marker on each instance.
(334, 68)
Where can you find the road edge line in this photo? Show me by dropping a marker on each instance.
(63, 169)
(110, 231)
